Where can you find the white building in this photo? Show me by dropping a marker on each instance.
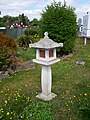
(86, 26)
(2, 28)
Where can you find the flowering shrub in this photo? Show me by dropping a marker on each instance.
(7, 51)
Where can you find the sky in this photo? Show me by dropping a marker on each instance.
(33, 8)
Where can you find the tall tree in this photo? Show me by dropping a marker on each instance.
(35, 22)
(60, 22)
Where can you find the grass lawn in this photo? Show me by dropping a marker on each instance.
(71, 83)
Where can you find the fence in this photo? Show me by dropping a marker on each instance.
(14, 33)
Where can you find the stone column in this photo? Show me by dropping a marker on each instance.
(46, 79)
(46, 84)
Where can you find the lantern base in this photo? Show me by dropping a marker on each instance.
(46, 97)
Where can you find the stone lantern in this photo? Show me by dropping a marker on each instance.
(46, 55)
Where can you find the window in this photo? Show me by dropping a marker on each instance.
(42, 53)
(51, 53)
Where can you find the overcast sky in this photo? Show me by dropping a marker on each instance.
(33, 8)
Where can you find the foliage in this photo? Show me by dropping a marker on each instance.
(35, 22)
(26, 55)
(30, 36)
(29, 31)
(7, 51)
(7, 20)
(84, 111)
(38, 111)
(71, 83)
(27, 109)
(60, 22)
(23, 41)
(1, 22)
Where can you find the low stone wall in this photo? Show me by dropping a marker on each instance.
(16, 68)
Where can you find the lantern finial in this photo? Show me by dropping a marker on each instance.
(46, 35)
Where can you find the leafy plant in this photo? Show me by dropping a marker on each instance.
(31, 31)
(30, 36)
(60, 22)
(23, 41)
(84, 111)
(1, 113)
(7, 51)
(38, 111)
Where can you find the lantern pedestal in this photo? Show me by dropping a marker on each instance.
(46, 83)
(46, 97)
(46, 56)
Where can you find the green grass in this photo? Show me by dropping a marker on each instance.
(26, 55)
(71, 83)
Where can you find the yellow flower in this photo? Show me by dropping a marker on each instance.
(8, 98)
(1, 108)
(5, 101)
(1, 91)
(2, 111)
(11, 112)
(8, 113)
(85, 94)
(18, 95)
(70, 98)
(62, 96)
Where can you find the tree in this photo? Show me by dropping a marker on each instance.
(8, 20)
(35, 22)
(60, 22)
(1, 22)
(23, 19)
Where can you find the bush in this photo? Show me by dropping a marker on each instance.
(30, 36)
(30, 32)
(23, 41)
(60, 22)
(7, 51)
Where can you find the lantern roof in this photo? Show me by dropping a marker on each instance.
(46, 43)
